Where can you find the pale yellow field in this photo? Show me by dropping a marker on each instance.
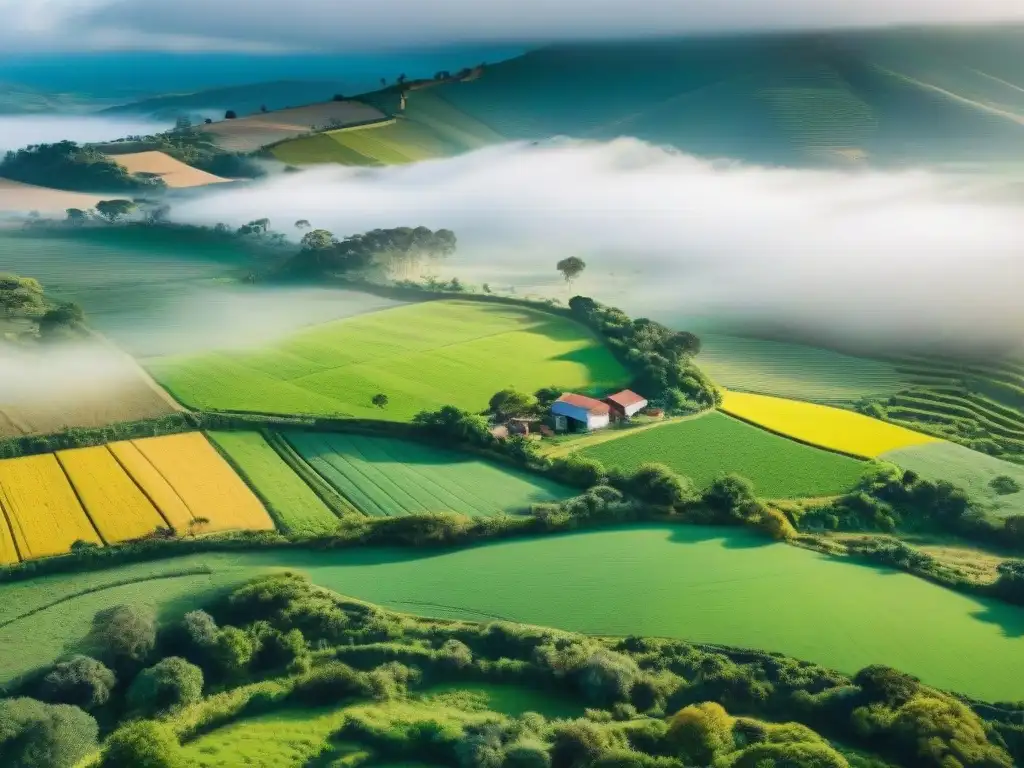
(175, 174)
(206, 482)
(820, 425)
(46, 518)
(17, 197)
(118, 509)
(171, 506)
(8, 552)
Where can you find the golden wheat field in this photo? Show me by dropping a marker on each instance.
(205, 482)
(146, 476)
(118, 508)
(44, 513)
(821, 425)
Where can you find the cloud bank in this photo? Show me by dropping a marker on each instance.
(267, 25)
(670, 236)
(17, 131)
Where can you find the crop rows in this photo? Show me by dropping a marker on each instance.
(711, 445)
(386, 477)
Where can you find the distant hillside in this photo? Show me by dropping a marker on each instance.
(242, 99)
(20, 100)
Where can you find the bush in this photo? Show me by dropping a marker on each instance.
(81, 681)
(331, 684)
(657, 484)
(125, 634)
(166, 685)
(38, 735)
(1004, 485)
(143, 744)
(701, 731)
(729, 495)
(526, 753)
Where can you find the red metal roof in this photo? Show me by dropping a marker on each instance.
(589, 404)
(626, 398)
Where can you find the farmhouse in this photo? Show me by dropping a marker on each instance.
(578, 412)
(625, 404)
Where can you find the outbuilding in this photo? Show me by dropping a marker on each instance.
(576, 413)
(625, 404)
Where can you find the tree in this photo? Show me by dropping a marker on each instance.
(1004, 485)
(657, 484)
(125, 634)
(143, 744)
(166, 685)
(230, 115)
(380, 400)
(571, 268)
(62, 318)
(232, 651)
(38, 735)
(302, 224)
(81, 681)
(700, 731)
(20, 296)
(509, 403)
(729, 494)
(112, 210)
(546, 397)
(76, 216)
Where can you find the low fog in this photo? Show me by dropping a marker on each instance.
(17, 131)
(264, 25)
(883, 256)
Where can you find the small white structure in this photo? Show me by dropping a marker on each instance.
(581, 412)
(625, 404)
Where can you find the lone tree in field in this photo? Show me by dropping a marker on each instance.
(76, 216)
(112, 210)
(571, 268)
(230, 114)
(303, 224)
(380, 400)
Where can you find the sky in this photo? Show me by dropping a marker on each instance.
(867, 255)
(327, 25)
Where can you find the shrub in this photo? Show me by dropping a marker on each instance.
(526, 753)
(143, 744)
(81, 681)
(701, 731)
(38, 735)
(125, 634)
(577, 743)
(231, 651)
(1004, 485)
(166, 685)
(331, 684)
(729, 494)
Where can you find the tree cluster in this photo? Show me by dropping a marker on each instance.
(395, 250)
(67, 165)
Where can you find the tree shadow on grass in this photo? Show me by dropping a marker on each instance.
(1009, 618)
(730, 538)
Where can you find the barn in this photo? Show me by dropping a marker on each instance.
(625, 404)
(577, 413)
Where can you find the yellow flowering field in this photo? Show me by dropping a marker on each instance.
(45, 516)
(146, 476)
(8, 552)
(206, 483)
(118, 508)
(821, 425)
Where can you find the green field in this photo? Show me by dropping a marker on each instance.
(702, 584)
(969, 469)
(421, 356)
(795, 371)
(296, 509)
(382, 476)
(711, 445)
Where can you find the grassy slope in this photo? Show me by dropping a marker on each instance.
(714, 444)
(701, 584)
(970, 469)
(795, 370)
(382, 476)
(294, 505)
(422, 356)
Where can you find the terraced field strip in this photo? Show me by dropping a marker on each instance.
(832, 428)
(422, 356)
(205, 482)
(715, 444)
(156, 488)
(386, 477)
(295, 506)
(971, 470)
(795, 371)
(117, 506)
(45, 515)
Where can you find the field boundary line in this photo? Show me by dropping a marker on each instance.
(202, 570)
(848, 454)
(10, 527)
(275, 514)
(138, 485)
(163, 476)
(340, 505)
(609, 436)
(366, 476)
(78, 496)
(416, 477)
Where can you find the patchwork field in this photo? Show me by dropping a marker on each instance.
(16, 197)
(701, 584)
(293, 503)
(421, 356)
(969, 469)
(831, 428)
(711, 445)
(795, 370)
(248, 134)
(120, 491)
(384, 477)
(174, 173)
